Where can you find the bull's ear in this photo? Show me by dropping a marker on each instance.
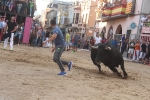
(107, 48)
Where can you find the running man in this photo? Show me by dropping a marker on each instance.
(9, 31)
(59, 48)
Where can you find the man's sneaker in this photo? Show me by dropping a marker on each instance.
(62, 74)
(70, 66)
(4, 48)
(11, 49)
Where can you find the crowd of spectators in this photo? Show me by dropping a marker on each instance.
(38, 34)
(16, 6)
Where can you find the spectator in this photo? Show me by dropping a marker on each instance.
(47, 37)
(92, 42)
(14, 9)
(143, 19)
(39, 37)
(136, 51)
(5, 4)
(4, 23)
(104, 40)
(10, 5)
(1, 28)
(43, 35)
(34, 38)
(131, 49)
(114, 42)
(142, 51)
(22, 31)
(82, 42)
(31, 7)
(124, 46)
(24, 7)
(97, 38)
(76, 40)
(71, 42)
(19, 6)
(123, 38)
(147, 55)
(85, 45)
(68, 41)
(19, 33)
(31, 38)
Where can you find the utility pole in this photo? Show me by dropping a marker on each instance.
(139, 25)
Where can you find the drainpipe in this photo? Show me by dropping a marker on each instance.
(139, 26)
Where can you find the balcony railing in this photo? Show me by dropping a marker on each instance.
(146, 27)
(21, 8)
(112, 11)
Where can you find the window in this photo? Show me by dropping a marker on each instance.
(83, 18)
(74, 18)
(86, 18)
(55, 5)
(77, 18)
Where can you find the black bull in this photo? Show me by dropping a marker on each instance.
(109, 56)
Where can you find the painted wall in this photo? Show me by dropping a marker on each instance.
(125, 23)
(27, 29)
(145, 8)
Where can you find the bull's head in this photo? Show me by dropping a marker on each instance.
(107, 48)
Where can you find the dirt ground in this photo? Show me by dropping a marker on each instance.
(29, 73)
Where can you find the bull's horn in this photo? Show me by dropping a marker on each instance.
(108, 48)
(93, 47)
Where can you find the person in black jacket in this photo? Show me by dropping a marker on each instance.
(147, 55)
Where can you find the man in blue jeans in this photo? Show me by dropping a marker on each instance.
(59, 48)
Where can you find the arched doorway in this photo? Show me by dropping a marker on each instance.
(103, 32)
(118, 36)
(110, 32)
(119, 30)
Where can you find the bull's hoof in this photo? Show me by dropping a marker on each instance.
(101, 72)
(125, 77)
(119, 75)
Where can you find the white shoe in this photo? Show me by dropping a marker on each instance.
(11, 49)
(18, 44)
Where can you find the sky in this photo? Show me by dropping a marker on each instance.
(42, 4)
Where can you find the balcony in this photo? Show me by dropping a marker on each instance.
(115, 10)
(146, 28)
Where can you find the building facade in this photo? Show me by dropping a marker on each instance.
(57, 10)
(84, 17)
(115, 18)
